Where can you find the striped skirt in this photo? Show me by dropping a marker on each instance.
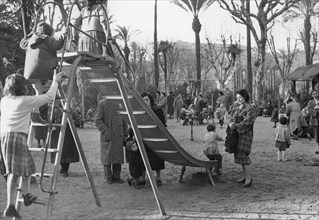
(242, 157)
(87, 44)
(15, 154)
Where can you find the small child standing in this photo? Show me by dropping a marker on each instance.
(16, 107)
(220, 114)
(211, 147)
(136, 165)
(282, 138)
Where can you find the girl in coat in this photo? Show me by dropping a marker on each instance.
(282, 138)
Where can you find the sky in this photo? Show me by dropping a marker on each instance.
(175, 24)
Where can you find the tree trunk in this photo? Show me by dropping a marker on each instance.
(127, 57)
(196, 28)
(261, 68)
(249, 69)
(306, 41)
(156, 68)
(165, 70)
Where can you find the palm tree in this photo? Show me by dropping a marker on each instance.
(125, 34)
(194, 7)
(156, 69)
(305, 9)
(164, 47)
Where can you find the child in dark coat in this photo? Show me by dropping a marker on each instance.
(41, 59)
(136, 165)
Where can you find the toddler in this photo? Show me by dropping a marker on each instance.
(211, 147)
(136, 165)
(220, 114)
(41, 59)
(282, 138)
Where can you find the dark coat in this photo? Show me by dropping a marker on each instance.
(113, 130)
(70, 152)
(170, 104)
(41, 55)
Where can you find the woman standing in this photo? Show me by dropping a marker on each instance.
(162, 104)
(156, 162)
(313, 107)
(178, 104)
(296, 119)
(244, 127)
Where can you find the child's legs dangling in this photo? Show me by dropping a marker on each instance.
(11, 188)
(37, 85)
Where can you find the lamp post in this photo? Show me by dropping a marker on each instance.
(192, 123)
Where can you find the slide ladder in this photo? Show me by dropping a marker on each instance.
(66, 121)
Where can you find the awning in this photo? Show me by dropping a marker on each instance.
(304, 72)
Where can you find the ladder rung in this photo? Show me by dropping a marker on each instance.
(155, 139)
(47, 175)
(166, 151)
(146, 126)
(34, 202)
(102, 80)
(134, 112)
(68, 54)
(115, 97)
(50, 150)
(46, 124)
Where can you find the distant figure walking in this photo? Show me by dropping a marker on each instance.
(178, 104)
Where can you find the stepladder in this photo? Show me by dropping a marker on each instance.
(61, 132)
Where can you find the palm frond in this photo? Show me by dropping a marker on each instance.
(182, 4)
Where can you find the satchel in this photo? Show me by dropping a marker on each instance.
(231, 140)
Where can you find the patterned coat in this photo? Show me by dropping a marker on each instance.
(245, 127)
(112, 129)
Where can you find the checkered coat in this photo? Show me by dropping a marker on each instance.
(245, 127)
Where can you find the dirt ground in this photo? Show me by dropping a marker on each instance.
(280, 190)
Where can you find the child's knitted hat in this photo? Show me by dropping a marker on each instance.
(283, 120)
(44, 28)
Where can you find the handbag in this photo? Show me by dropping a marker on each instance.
(231, 140)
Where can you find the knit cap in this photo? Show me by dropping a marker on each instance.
(44, 28)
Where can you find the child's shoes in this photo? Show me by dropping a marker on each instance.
(28, 199)
(11, 212)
